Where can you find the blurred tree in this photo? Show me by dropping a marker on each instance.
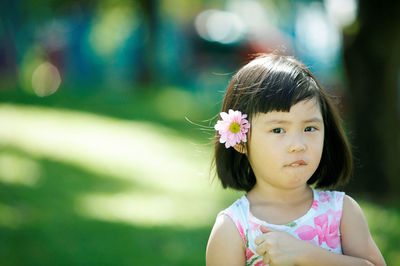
(150, 17)
(8, 50)
(372, 62)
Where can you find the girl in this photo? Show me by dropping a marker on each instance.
(279, 140)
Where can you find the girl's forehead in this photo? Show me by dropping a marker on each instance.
(303, 110)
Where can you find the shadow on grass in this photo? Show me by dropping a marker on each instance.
(47, 230)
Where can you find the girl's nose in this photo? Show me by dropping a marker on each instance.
(296, 145)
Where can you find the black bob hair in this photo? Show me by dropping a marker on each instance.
(275, 83)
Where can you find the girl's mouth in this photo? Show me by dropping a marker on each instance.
(297, 163)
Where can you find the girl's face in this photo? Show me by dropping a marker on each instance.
(285, 148)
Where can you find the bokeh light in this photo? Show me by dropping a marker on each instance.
(316, 35)
(112, 26)
(342, 12)
(220, 26)
(46, 79)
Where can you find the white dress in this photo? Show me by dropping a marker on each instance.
(320, 225)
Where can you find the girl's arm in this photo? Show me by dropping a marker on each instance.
(357, 244)
(356, 238)
(225, 245)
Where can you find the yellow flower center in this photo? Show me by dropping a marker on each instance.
(234, 127)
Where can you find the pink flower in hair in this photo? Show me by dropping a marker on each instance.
(232, 128)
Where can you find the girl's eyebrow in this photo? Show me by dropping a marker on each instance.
(282, 121)
(314, 119)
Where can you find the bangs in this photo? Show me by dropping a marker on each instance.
(282, 95)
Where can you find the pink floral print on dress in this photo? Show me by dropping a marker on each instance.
(339, 198)
(315, 205)
(326, 227)
(249, 254)
(323, 197)
(253, 226)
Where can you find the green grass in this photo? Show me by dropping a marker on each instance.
(86, 188)
(41, 225)
(384, 223)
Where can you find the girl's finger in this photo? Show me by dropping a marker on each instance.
(261, 250)
(266, 258)
(266, 229)
(259, 240)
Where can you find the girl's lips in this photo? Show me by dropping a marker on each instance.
(297, 163)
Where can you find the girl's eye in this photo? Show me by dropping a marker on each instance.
(278, 131)
(310, 129)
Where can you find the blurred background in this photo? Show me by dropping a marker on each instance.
(98, 163)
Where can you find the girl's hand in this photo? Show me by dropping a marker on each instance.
(280, 248)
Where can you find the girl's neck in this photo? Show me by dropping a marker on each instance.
(272, 194)
(280, 206)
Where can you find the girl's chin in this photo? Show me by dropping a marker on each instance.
(298, 180)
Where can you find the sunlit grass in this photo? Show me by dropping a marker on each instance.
(16, 169)
(168, 174)
(149, 209)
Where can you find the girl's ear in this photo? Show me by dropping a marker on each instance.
(240, 148)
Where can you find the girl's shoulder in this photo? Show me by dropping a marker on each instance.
(228, 235)
(225, 244)
(328, 200)
(238, 210)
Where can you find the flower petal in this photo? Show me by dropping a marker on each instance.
(224, 116)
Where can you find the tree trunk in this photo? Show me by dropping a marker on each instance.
(150, 16)
(372, 62)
